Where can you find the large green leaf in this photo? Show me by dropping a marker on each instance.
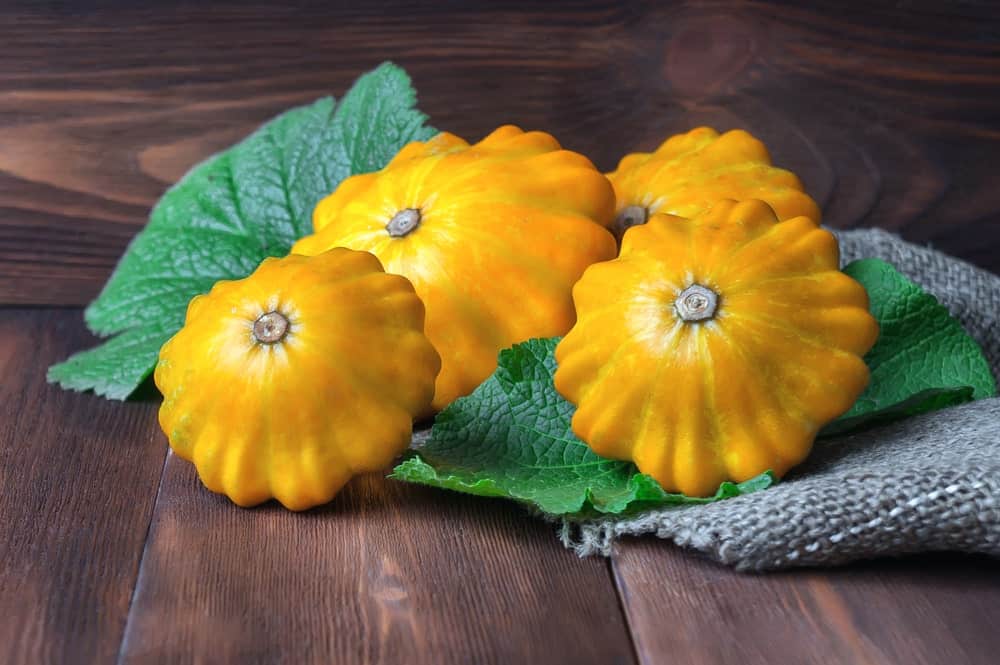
(923, 359)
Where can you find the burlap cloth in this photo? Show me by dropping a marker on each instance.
(930, 483)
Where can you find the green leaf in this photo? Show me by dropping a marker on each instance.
(512, 438)
(115, 368)
(931, 399)
(923, 360)
(230, 212)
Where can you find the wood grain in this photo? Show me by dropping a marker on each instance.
(78, 477)
(387, 573)
(921, 610)
(890, 113)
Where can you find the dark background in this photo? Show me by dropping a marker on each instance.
(111, 550)
(888, 111)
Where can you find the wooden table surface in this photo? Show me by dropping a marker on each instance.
(110, 550)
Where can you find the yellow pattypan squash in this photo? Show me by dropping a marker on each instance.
(715, 348)
(492, 235)
(287, 383)
(689, 172)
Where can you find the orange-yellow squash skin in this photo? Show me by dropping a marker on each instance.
(492, 235)
(287, 383)
(689, 172)
(696, 392)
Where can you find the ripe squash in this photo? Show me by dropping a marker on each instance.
(287, 383)
(689, 172)
(715, 348)
(492, 235)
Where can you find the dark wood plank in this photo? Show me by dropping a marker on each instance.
(387, 573)
(922, 610)
(889, 111)
(78, 477)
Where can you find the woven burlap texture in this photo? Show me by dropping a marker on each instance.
(930, 483)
